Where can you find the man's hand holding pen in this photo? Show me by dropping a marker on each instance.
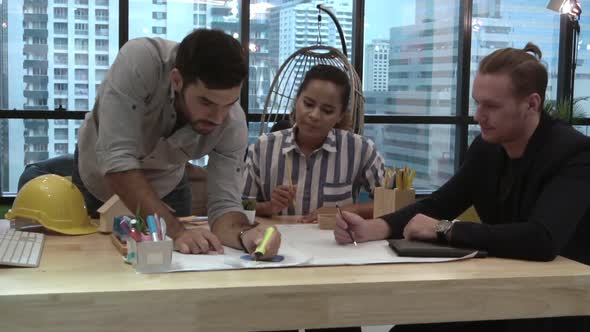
(262, 242)
(362, 230)
(281, 197)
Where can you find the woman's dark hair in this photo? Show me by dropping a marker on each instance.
(339, 78)
(213, 57)
(330, 74)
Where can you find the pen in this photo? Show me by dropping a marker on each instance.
(125, 227)
(159, 227)
(347, 229)
(163, 227)
(134, 233)
(151, 221)
(193, 218)
(261, 249)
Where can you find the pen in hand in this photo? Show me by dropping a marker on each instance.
(261, 248)
(350, 233)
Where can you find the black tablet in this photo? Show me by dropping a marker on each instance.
(404, 247)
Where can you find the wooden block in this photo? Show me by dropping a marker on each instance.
(390, 200)
(327, 210)
(109, 210)
(327, 220)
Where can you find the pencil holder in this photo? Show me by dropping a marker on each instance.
(249, 205)
(390, 200)
(327, 217)
(327, 220)
(150, 256)
(251, 215)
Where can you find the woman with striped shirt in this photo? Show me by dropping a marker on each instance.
(318, 162)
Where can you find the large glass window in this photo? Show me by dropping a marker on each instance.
(41, 56)
(54, 54)
(410, 58)
(499, 24)
(27, 141)
(410, 68)
(582, 81)
(44, 65)
(148, 18)
(428, 149)
(278, 30)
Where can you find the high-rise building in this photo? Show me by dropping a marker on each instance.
(422, 75)
(172, 19)
(263, 64)
(294, 25)
(421, 81)
(221, 15)
(59, 53)
(285, 28)
(376, 69)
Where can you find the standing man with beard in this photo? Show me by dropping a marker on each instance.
(161, 104)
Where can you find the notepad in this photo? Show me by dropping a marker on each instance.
(404, 247)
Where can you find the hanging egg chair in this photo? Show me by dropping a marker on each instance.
(282, 93)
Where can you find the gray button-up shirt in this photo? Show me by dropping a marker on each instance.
(131, 127)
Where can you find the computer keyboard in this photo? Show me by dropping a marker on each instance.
(21, 248)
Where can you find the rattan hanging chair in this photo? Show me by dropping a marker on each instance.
(282, 93)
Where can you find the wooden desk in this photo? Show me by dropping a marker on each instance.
(83, 285)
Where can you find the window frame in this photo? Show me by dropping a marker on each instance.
(461, 120)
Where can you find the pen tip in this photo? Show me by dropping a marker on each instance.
(356, 245)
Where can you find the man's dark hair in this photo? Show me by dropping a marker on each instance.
(213, 57)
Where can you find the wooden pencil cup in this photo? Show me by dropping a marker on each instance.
(327, 221)
(327, 217)
(390, 200)
(150, 256)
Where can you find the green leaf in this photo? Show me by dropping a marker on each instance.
(561, 110)
(249, 204)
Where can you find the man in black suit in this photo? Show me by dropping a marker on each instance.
(527, 175)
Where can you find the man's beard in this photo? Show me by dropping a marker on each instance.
(202, 127)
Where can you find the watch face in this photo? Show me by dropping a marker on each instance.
(442, 226)
(437, 227)
(441, 230)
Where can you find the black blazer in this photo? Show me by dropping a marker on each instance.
(550, 214)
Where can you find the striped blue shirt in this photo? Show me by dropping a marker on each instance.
(333, 174)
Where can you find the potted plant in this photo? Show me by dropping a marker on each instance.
(249, 205)
(561, 110)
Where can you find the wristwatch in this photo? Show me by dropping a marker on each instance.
(241, 240)
(442, 229)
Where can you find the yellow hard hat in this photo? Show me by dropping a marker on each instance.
(55, 203)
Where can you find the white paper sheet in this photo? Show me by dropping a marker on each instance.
(302, 245)
(320, 245)
(232, 259)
